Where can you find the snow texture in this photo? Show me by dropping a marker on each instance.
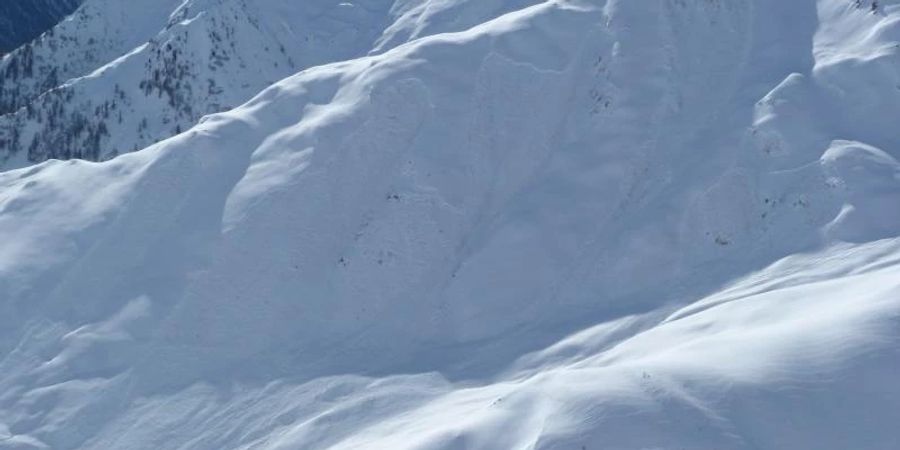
(466, 224)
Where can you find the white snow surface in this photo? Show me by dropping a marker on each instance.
(571, 224)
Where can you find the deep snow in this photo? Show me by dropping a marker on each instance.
(573, 224)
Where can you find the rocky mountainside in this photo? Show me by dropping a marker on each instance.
(23, 20)
(459, 224)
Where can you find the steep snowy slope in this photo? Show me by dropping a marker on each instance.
(23, 20)
(575, 224)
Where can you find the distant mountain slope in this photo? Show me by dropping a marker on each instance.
(98, 33)
(210, 56)
(23, 20)
(200, 57)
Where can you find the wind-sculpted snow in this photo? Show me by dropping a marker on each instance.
(573, 224)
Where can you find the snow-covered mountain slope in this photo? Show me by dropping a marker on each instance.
(97, 33)
(574, 224)
(209, 56)
(21, 20)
